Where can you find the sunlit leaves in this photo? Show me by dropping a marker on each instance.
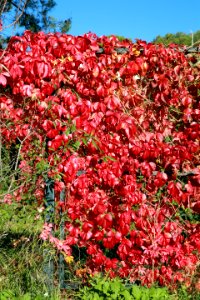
(120, 132)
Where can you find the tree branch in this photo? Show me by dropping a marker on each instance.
(20, 8)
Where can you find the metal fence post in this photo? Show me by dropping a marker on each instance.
(61, 266)
(49, 218)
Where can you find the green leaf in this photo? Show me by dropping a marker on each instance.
(136, 292)
(115, 286)
(158, 293)
(96, 296)
(106, 158)
(76, 145)
(106, 286)
(145, 295)
(26, 297)
(94, 144)
(67, 132)
(42, 166)
(99, 285)
(85, 142)
(127, 295)
(73, 128)
(5, 295)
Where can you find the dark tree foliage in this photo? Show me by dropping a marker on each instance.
(33, 15)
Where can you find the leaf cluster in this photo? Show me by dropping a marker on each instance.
(118, 131)
(101, 288)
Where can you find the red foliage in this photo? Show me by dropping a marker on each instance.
(122, 133)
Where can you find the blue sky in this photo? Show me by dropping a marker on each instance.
(141, 19)
(133, 19)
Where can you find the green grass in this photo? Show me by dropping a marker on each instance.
(21, 254)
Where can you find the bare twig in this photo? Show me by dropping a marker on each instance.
(3, 7)
(13, 190)
(16, 163)
(20, 7)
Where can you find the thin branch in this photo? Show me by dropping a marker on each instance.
(3, 7)
(19, 16)
(13, 190)
(16, 163)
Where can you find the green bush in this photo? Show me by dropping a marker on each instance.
(102, 288)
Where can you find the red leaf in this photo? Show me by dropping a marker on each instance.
(3, 80)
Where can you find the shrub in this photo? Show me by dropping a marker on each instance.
(119, 131)
(104, 288)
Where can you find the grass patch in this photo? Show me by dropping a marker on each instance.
(21, 254)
